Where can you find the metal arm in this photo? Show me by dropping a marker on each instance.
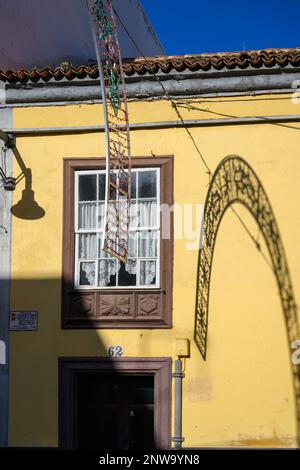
(9, 139)
(9, 182)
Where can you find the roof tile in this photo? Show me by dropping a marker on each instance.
(165, 64)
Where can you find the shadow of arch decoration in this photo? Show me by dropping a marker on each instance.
(235, 181)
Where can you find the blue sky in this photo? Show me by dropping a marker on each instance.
(195, 26)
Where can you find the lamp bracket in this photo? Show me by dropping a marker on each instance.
(9, 183)
(9, 139)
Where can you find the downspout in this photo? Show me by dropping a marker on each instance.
(182, 352)
(178, 376)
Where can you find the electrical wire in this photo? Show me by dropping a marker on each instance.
(174, 106)
(189, 107)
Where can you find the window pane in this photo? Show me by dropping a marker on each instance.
(87, 274)
(147, 184)
(147, 214)
(123, 214)
(141, 429)
(107, 273)
(101, 186)
(102, 253)
(132, 245)
(141, 391)
(133, 184)
(100, 221)
(133, 215)
(147, 273)
(117, 214)
(116, 244)
(112, 187)
(87, 215)
(127, 273)
(98, 427)
(87, 248)
(147, 244)
(123, 180)
(87, 188)
(98, 391)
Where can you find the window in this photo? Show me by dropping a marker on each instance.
(94, 267)
(98, 291)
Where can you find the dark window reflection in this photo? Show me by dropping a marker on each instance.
(127, 274)
(112, 187)
(97, 390)
(101, 187)
(88, 188)
(147, 184)
(133, 185)
(142, 391)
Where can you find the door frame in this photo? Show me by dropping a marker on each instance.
(159, 367)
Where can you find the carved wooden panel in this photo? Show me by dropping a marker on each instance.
(112, 305)
(82, 304)
(130, 309)
(149, 304)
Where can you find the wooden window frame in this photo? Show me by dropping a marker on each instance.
(125, 307)
(160, 368)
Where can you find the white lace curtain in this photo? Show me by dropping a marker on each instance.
(87, 215)
(142, 214)
(107, 269)
(147, 272)
(87, 273)
(145, 214)
(142, 244)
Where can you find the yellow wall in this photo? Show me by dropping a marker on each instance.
(242, 394)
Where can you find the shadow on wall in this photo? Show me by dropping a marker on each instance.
(104, 403)
(235, 181)
(27, 207)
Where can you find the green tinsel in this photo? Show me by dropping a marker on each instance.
(103, 18)
(114, 88)
(106, 35)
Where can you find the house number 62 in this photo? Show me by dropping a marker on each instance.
(115, 351)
